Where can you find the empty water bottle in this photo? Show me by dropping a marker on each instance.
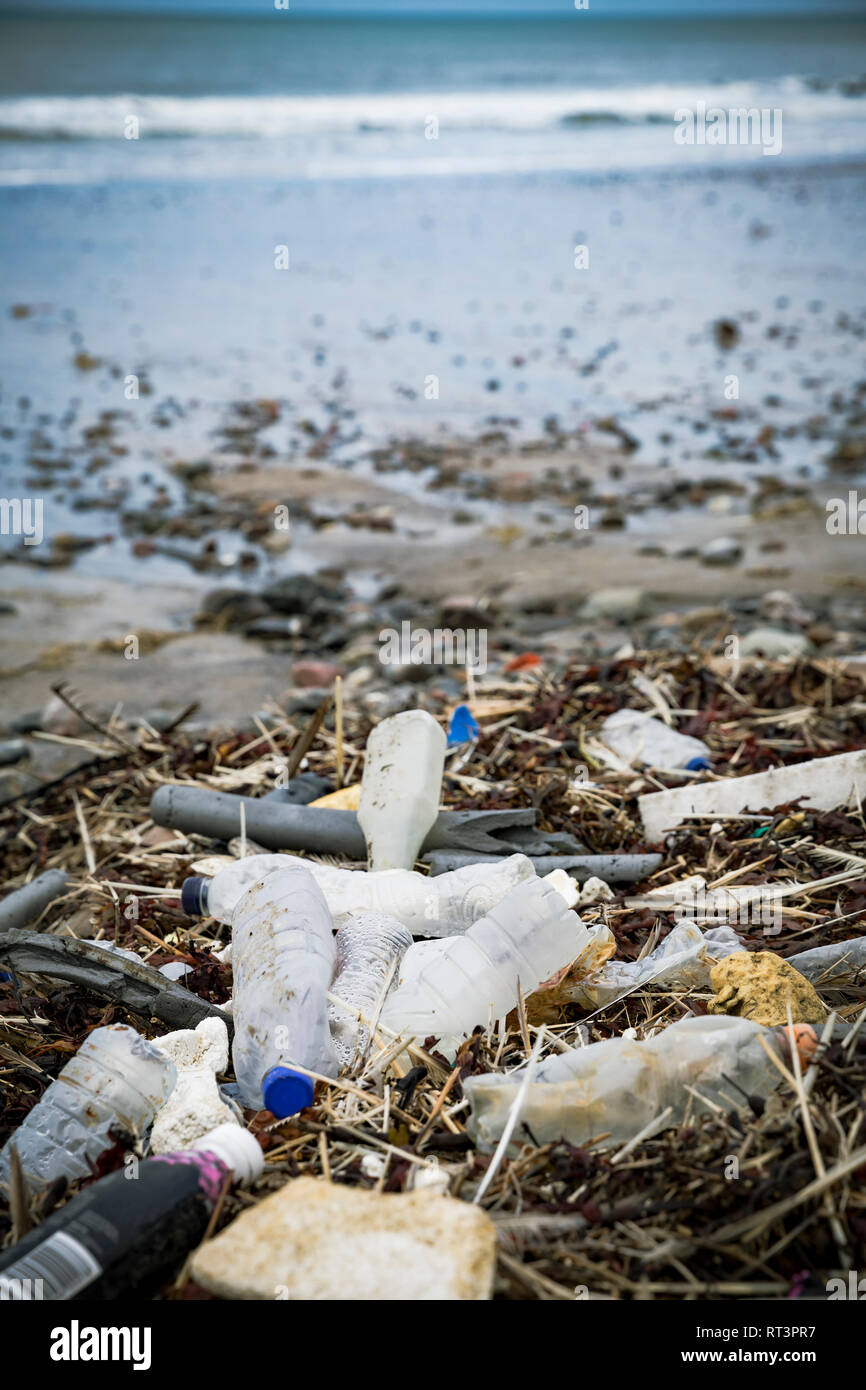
(119, 1237)
(437, 906)
(113, 1086)
(369, 947)
(637, 737)
(400, 787)
(446, 987)
(283, 959)
(618, 1087)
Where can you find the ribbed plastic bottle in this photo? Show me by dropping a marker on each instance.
(447, 987)
(439, 906)
(637, 737)
(400, 787)
(283, 960)
(114, 1084)
(120, 1236)
(619, 1086)
(368, 945)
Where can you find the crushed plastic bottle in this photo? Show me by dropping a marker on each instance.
(440, 906)
(283, 959)
(637, 737)
(119, 1237)
(616, 1088)
(400, 787)
(446, 987)
(368, 945)
(114, 1085)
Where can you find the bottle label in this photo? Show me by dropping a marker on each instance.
(58, 1268)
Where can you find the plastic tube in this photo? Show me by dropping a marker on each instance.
(24, 905)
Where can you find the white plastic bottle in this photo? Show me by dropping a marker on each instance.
(447, 987)
(619, 1086)
(368, 945)
(637, 737)
(400, 787)
(116, 1081)
(437, 906)
(283, 960)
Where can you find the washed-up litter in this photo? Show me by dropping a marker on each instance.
(624, 1087)
(550, 1059)
(463, 727)
(118, 1237)
(370, 946)
(280, 825)
(400, 788)
(283, 958)
(322, 1241)
(611, 868)
(195, 1106)
(19, 909)
(448, 986)
(112, 1087)
(442, 907)
(634, 736)
(822, 783)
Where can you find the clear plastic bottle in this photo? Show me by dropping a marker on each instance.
(447, 987)
(119, 1237)
(637, 737)
(283, 960)
(618, 1087)
(368, 944)
(114, 1084)
(439, 906)
(400, 787)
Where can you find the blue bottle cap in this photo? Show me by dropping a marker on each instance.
(463, 726)
(286, 1091)
(193, 896)
(698, 765)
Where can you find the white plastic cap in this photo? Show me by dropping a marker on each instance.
(237, 1148)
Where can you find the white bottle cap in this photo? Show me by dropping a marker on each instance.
(237, 1148)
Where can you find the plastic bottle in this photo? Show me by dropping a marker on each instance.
(400, 787)
(617, 1087)
(638, 737)
(438, 906)
(119, 1236)
(283, 959)
(114, 1084)
(447, 987)
(368, 944)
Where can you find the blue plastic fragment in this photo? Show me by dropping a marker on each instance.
(463, 726)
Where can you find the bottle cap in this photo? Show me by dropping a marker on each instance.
(698, 765)
(193, 896)
(236, 1148)
(286, 1091)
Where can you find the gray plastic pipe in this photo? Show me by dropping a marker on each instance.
(23, 906)
(613, 868)
(276, 825)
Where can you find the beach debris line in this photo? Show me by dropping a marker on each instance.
(393, 1110)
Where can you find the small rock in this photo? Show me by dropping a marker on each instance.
(724, 550)
(298, 593)
(726, 333)
(314, 673)
(619, 604)
(759, 985)
(13, 751)
(228, 608)
(324, 1242)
